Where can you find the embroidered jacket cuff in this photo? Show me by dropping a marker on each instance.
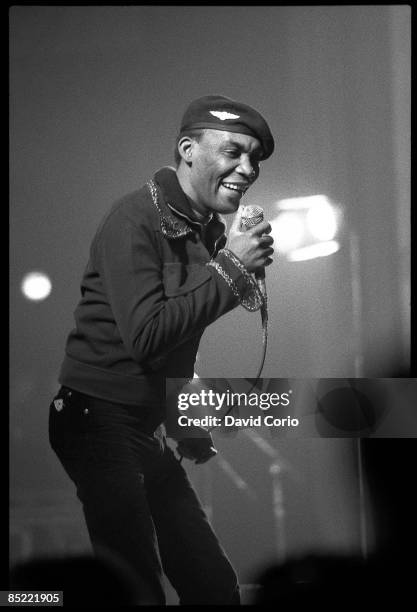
(239, 280)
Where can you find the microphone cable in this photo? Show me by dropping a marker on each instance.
(251, 216)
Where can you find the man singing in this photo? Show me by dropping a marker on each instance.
(160, 271)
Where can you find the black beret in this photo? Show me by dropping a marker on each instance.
(221, 113)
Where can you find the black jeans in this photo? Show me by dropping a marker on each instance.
(137, 500)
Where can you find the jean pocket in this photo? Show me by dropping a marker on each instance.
(63, 399)
(64, 422)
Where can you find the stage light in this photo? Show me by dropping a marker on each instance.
(321, 219)
(306, 227)
(36, 286)
(288, 231)
(312, 251)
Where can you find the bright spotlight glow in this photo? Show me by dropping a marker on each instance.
(321, 219)
(306, 227)
(294, 203)
(36, 286)
(287, 231)
(320, 249)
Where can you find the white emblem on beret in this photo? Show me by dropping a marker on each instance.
(222, 115)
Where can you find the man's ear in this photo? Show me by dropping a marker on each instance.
(185, 148)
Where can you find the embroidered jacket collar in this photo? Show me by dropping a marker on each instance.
(177, 217)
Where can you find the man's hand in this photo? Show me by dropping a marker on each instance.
(193, 442)
(198, 450)
(252, 246)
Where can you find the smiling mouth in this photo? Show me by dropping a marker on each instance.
(237, 187)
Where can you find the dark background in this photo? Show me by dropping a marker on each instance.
(96, 97)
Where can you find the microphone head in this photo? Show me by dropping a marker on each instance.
(251, 216)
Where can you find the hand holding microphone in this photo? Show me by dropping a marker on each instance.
(249, 239)
(252, 216)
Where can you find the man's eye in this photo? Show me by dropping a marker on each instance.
(232, 152)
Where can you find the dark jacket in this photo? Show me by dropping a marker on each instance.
(154, 281)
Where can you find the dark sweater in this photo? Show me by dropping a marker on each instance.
(150, 288)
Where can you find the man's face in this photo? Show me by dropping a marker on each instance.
(223, 166)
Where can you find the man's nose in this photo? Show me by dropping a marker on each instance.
(246, 168)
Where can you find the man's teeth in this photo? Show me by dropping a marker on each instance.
(239, 188)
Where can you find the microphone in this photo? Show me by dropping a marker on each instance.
(251, 216)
